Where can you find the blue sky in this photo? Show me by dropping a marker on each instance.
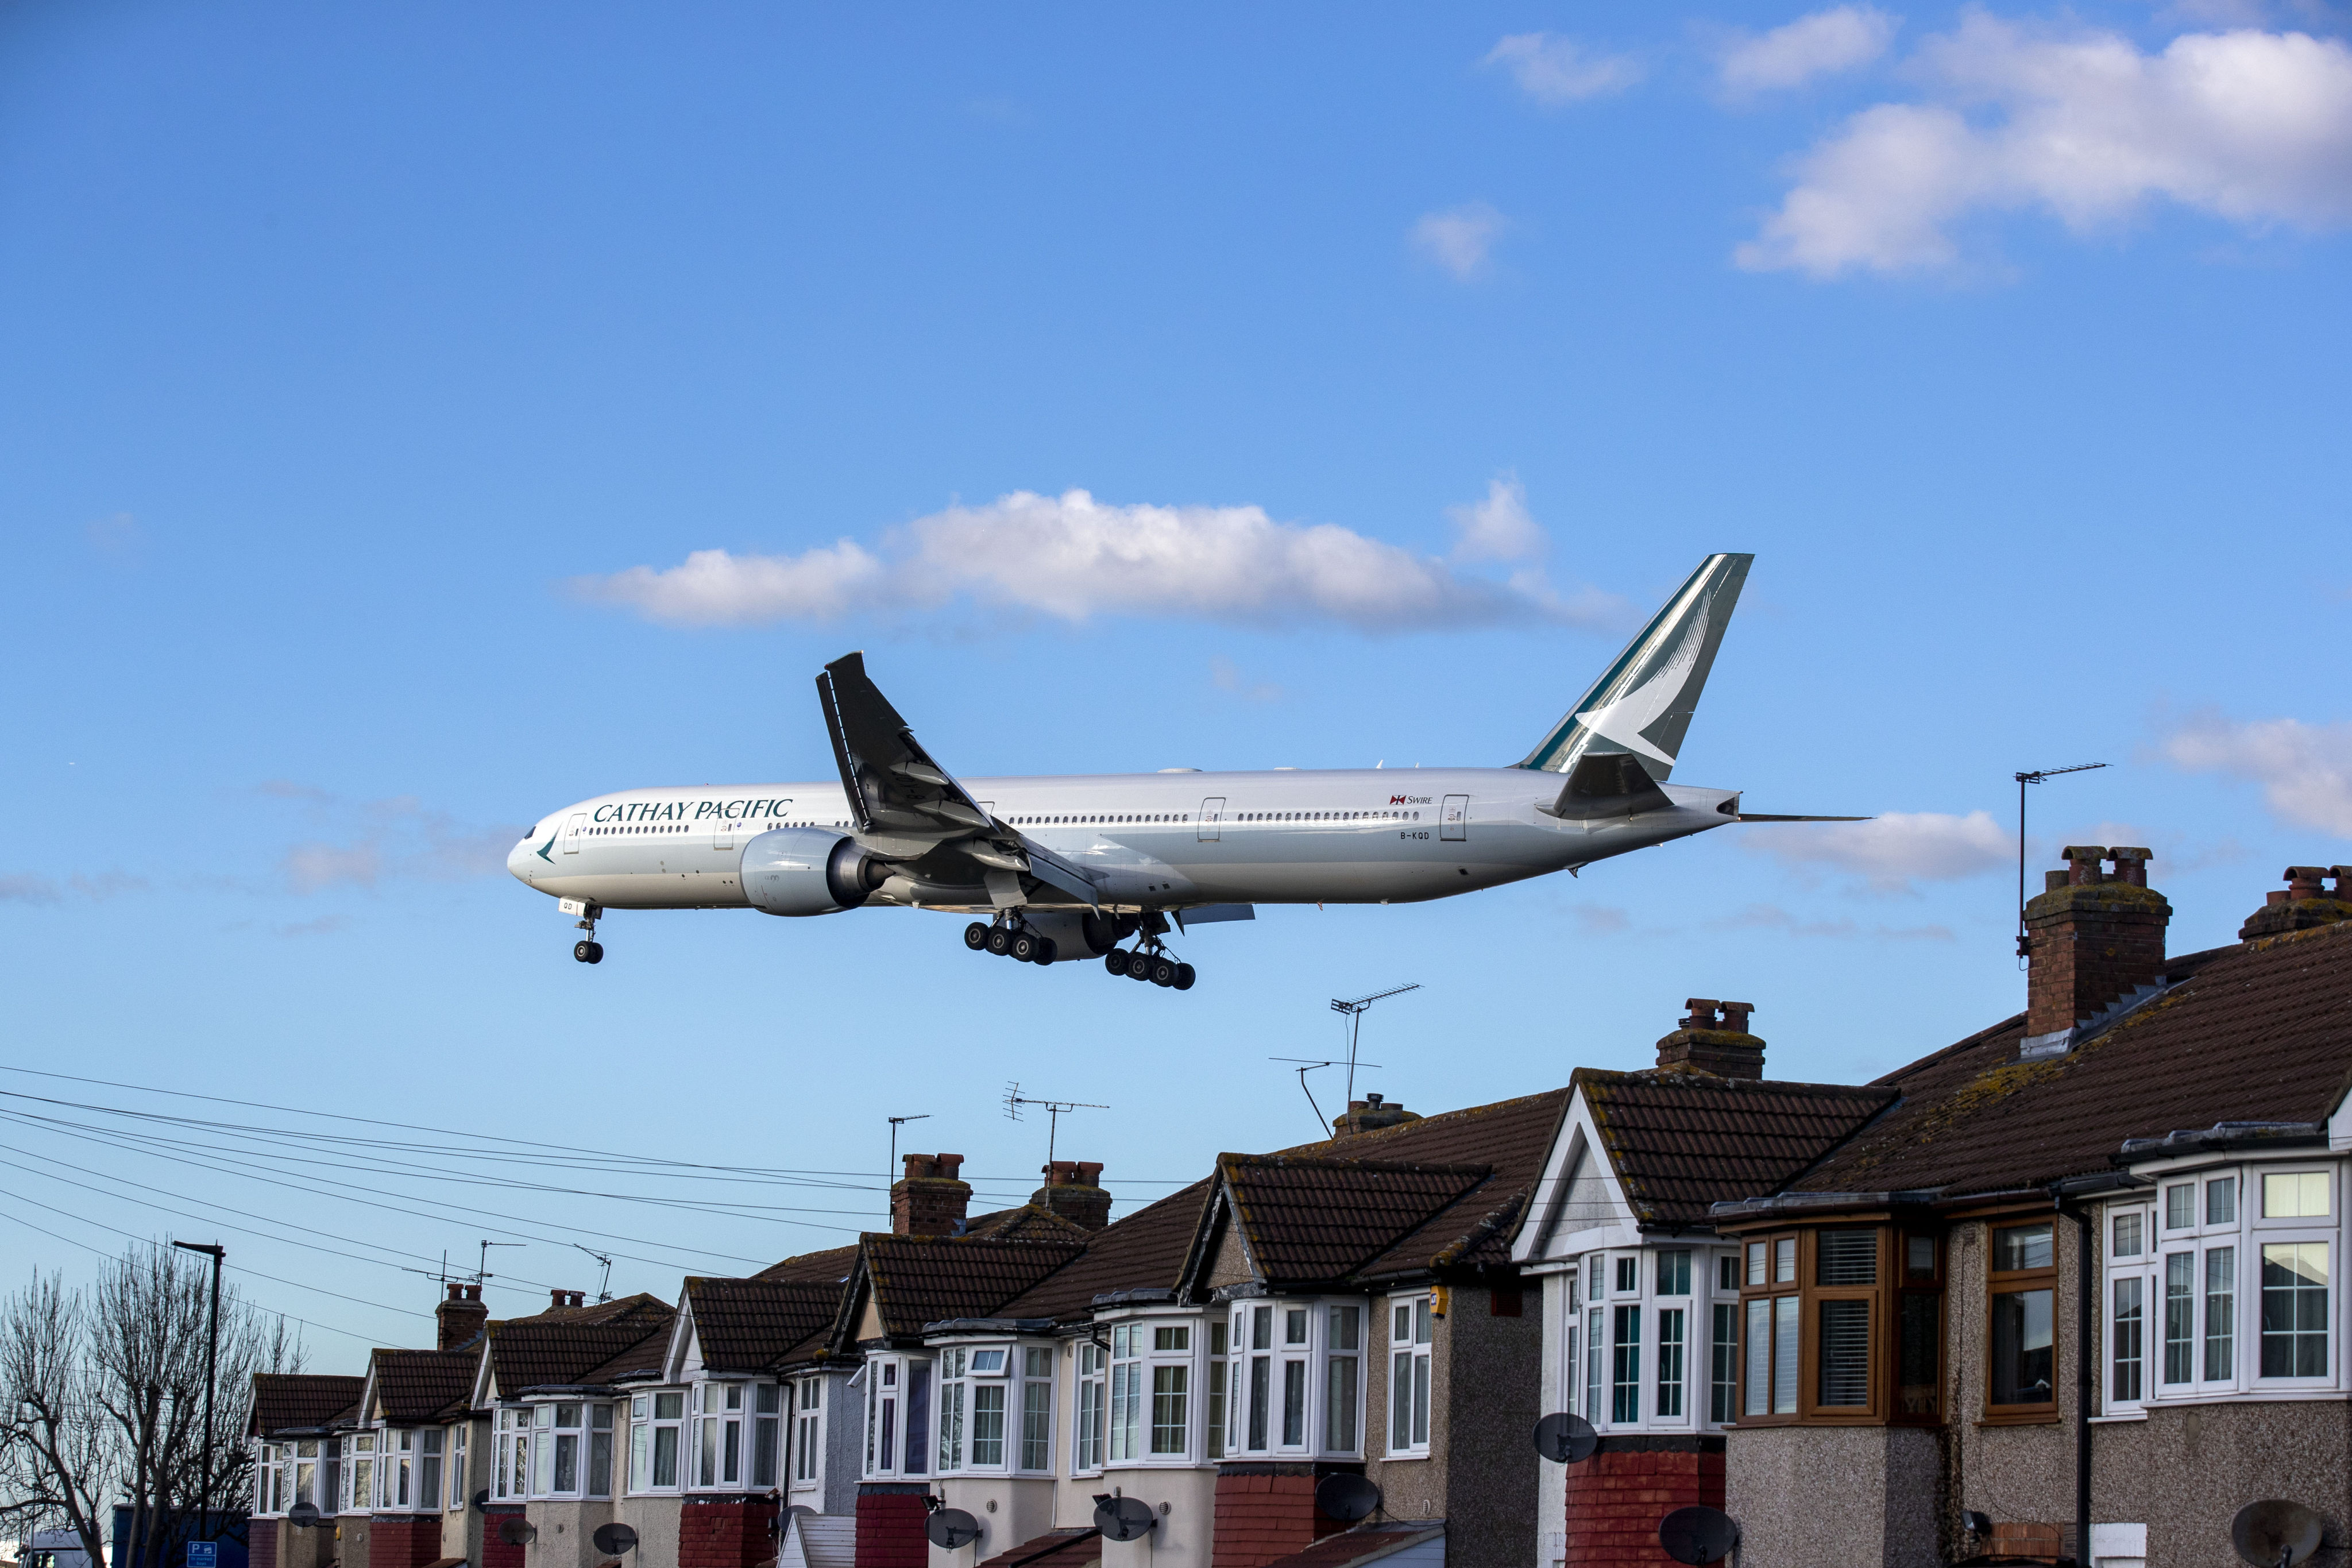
(369, 380)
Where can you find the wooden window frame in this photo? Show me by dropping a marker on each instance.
(1893, 1285)
(2010, 1281)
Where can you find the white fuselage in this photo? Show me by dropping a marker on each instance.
(1150, 841)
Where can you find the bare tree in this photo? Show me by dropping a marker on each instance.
(106, 1399)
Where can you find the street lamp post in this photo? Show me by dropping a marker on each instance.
(215, 1251)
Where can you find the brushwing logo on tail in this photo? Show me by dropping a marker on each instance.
(1624, 720)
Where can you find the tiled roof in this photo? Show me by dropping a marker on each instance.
(833, 1263)
(640, 1309)
(1143, 1251)
(640, 1363)
(2257, 1032)
(288, 1402)
(920, 1279)
(413, 1386)
(1309, 1218)
(1072, 1548)
(558, 1351)
(1365, 1543)
(754, 1325)
(1680, 1141)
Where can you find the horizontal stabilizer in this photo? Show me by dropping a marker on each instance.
(1774, 816)
(1209, 914)
(1606, 785)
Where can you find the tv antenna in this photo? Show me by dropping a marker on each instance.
(1053, 1109)
(1305, 1067)
(604, 1286)
(482, 1270)
(2024, 949)
(1354, 1012)
(890, 1172)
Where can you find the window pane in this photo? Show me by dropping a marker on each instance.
(2127, 1334)
(1342, 1328)
(1262, 1399)
(1674, 1272)
(1594, 1343)
(1420, 1323)
(1339, 1419)
(1920, 1355)
(1261, 1328)
(641, 1474)
(2022, 1346)
(600, 1464)
(1920, 1257)
(1294, 1403)
(1784, 1355)
(2128, 1234)
(1625, 1365)
(1169, 1416)
(1756, 1263)
(1844, 1353)
(2296, 1195)
(1421, 1402)
(1626, 1268)
(1293, 1326)
(2295, 1306)
(2222, 1200)
(2023, 1246)
(1759, 1357)
(1038, 1421)
(1178, 1338)
(2180, 1206)
(2221, 1313)
(664, 1456)
(2179, 1316)
(1670, 1355)
(1723, 1354)
(668, 1406)
(705, 1471)
(988, 1423)
(1846, 1257)
(763, 1453)
(918, 1416)
(1784, 1260)
(567, 1463)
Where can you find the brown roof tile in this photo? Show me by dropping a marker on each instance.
(2257, 1032)
(291, 1402)
(1680, 1141)
(833, 1263)
(1312, 1218)
(920, 1279)
(754, 1325)
(1143, 1251)
(1076, 1547)
(413, 1386)
(556, 1350)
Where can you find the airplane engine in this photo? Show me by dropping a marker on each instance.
(808, 871)
(1087, 935)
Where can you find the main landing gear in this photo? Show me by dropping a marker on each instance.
(1008, 940)
(1152, 963)
(587, 950)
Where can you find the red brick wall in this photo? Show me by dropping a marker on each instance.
(889, 1528)
(1616, 1499)
(261, 1542)
(1264, 1512)
(403, 1542)
(497, 1554)
(734, 1533)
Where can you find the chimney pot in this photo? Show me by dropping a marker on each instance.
(558, 1297)
(2083, 863)
(1702, 1013)
(1373, 1100)
(1073, 1190)
(1735, 1015)
(2131, 864)
(2306, 903)
(2302, 882)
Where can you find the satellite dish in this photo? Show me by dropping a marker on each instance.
(1697, 1535)
(1346, 1498)
(516, 1530)
(302, 1515)
(1565, 1439)
(1123, 1518)
(949, 1528)
(2276, 1533)
(611, 1540)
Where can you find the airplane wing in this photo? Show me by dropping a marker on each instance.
(908, 808)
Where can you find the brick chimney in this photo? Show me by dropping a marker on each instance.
(2092, 937)
(1370, 1114)
(1073, 1190)
(2304, 904)
(928, 1200)
(1703, 1042)
(460, 1316)
(559, 1299)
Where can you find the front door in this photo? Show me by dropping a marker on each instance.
(1455, 822)
(1212, 815)
(723, 835)
(572, 834)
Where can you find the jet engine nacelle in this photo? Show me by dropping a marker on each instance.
(808, 871)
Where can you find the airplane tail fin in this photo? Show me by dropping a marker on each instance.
(1641, 705)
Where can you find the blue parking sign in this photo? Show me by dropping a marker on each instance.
(204, 1555)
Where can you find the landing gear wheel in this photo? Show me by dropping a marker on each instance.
(975, 935)
(1020, 947)
(999, 939)
(595, 953)
(1116, 962)
(1163, 971)
(584, 951)
(1138, 966)
(1047, 950)
(1184, 977)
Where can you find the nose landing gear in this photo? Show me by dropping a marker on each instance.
(587, 950)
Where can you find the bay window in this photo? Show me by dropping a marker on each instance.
(1836, 1324)
(893, 1445)
(1410, 1335)
(1261, 1377)
(306, 1476)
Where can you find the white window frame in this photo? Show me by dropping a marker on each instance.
(806, 1413)
(454, 1471)
(1090, 1431)
(1034, 1384)
(721, 1452)
(1412, 1375)
(652, 1412)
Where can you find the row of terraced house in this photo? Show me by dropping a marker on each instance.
(2060, 1292)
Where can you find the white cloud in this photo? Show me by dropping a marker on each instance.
(2252, 126)
(1497, 528)
(1554, 70)
(1227, 676)
(2304, 770)
(1073, 558)
(28, 887)
(1892, 851)
(1460, 239)
(385, 838)
(1819, 45)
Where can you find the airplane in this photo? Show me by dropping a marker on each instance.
(1072, 867)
